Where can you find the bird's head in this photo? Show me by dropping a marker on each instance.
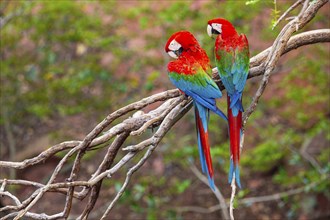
(220, 26)
(180, 42)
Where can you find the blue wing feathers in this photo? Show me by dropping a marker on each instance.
(205, 96)
(236, 76)
(204, 103)
(227, 82)
(233, 71)
(209, 92)
(241, 84)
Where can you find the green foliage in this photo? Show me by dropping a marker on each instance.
(167, 17)
(180, 186)
(302, 93)
(150, 83)
(264, 156)
(251, 2)
(46, 74)
(275, 14)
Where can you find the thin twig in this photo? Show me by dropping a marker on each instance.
(216, 192)
(287, 12)
(253, 200)
(232, 198)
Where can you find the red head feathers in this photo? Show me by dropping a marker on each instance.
(183, 43)
(183, 40)
(220, 26)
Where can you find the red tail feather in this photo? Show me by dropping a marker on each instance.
(235, 125)
(204, 137)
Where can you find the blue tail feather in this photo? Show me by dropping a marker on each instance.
(234, 169)
(200, 149)
(236, 103)
(238, 180)
(201, 154)
(234, 99)
(221, 114)
(203, 114)
(231, 171)
(211, 182)
(234, 111)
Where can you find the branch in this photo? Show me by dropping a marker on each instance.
(295, 5)
(5, 19)
(281, 195)
(106, 164)
(232, 197)
(253, 200)
(216, 192)
(278, 48)
(168, 122)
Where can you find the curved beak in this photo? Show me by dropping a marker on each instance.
(209, 30)
(172, 54)
(176, 53)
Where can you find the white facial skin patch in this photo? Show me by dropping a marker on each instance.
(174, 45)
(217, 27)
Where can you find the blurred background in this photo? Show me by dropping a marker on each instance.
(65, 65)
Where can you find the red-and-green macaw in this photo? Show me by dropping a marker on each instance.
(191, 73)
(232, 60)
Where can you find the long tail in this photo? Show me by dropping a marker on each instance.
(235, 127)
(202, 119)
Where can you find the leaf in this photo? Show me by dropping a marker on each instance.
(182, 186)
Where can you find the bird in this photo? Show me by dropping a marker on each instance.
(231, 52)
(191, 73)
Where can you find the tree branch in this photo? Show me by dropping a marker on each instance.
(216, 192)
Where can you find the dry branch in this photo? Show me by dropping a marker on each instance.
(172, 108)
(251, 200)
(217, 193)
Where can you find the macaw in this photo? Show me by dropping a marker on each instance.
(232, 60)
(191, 74)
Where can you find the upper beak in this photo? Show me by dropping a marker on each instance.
(209, 30)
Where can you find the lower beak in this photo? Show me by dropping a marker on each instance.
(172, 54)
(178, 52)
